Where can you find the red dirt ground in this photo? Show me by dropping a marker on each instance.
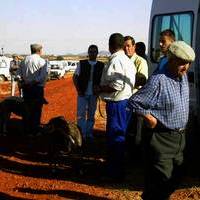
(26, 174)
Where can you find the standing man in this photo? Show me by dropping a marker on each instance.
(33, 70)
(117, 84)
(140, 49)
(167, 37)
(86, 78)
(164, 104)
(139, 62)
(135, 124)
(14, 65)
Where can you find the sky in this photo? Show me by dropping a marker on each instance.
(70, 26)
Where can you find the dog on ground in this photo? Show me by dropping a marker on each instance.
(10, 105)
(63, 136)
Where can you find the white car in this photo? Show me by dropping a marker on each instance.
(4, 68)
(57, 69)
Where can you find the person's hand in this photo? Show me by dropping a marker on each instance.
(150, 120)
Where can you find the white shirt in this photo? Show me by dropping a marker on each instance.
(34, 69)
(119, 74)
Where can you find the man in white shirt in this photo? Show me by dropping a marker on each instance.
(117, 84)
(33, 71)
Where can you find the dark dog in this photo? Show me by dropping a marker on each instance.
(18, 106)
(63, 136)
(10, 105)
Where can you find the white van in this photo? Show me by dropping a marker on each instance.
(183, 18)
(70, 65)
(4, 68)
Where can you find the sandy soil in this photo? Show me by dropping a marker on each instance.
(26, 174)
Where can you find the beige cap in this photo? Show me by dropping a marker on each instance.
(182, 50)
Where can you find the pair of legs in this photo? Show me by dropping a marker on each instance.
(117, 118)
(134, 137)
(86, 114)
(13, 86)
(34, 99)
(163, 167)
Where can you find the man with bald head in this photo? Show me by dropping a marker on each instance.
(33, 71)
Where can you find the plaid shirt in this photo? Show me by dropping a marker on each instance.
(164, 97)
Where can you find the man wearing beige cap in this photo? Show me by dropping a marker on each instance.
(33, 71)
(164, 104)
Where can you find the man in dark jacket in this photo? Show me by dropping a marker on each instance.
(86, 78)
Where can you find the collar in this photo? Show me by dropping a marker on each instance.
(133, 57)
(172, 76)
(120, 52)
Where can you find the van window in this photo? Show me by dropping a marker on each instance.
(180, 23)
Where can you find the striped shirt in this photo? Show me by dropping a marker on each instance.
(164, 97)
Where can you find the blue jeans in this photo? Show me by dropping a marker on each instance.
(85, 114)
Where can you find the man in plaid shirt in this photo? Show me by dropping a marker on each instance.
(164, 104)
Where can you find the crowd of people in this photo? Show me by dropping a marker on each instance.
(154, 109)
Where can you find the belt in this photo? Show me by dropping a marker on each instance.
(179, 130)
(161, 128)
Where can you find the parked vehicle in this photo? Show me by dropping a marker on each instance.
(57, 69)
(70, 65)
(4, 68)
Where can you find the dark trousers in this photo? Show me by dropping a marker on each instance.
(134, 137)
(164, 159)
(34, 99)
